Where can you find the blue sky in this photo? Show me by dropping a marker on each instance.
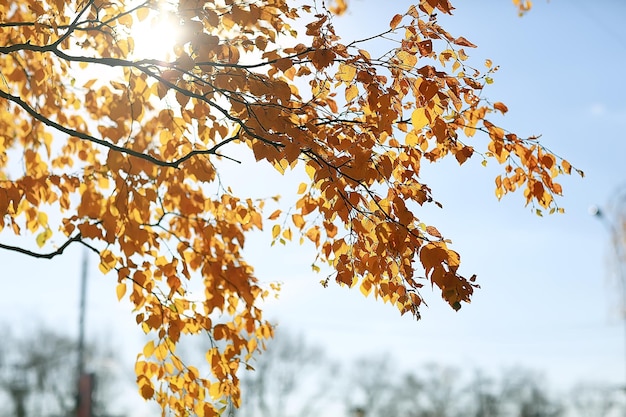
(546, 302)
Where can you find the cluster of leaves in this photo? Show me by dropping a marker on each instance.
(523, 6)
(122, 150)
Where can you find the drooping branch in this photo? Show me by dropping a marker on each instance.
(82, 135)
(50, 255)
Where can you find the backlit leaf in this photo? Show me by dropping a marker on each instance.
(346, 73)
(142, 13)
(419, 118)
(351, 92)
(120, 290)
(395, 21)
(43, 237)
(275, 231)
(501, 107)
(148, 349)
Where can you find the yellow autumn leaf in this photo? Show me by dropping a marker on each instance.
(298, 220)
(120, 290)
(567, 167)
(275, 231)
(419, 118)
(147, 391)
(148, 349)
(313, 234)
(411, 139)
(338, 7)
(43, 237)
(142, 13)
(42, 218)
(282, 165)
(408, 60)
(351, 92)
(89, 83)
(346, 73)
(107, 261)
(365, 287)
(310, 170)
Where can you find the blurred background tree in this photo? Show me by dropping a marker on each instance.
(296, 379)
(38, 374)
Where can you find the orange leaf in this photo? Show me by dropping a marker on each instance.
(500, 106)
(567, 167)
(147, 392)
(461, 41)
(431, 230)
(321, 58)
(395, 21)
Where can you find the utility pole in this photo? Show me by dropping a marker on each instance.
(614, 218)
(84, 381)
(18, 390)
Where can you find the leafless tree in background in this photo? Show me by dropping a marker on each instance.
(368, 387)
(290, 379)
(528, 396)
(293, 379)
(596, 400)
(38, 374)
(440, 391)
(486, 397)
(430, 391)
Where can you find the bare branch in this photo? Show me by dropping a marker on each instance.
(82, 135)
(73, 25)
(59, 251)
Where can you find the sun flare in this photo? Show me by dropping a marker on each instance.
(155, 36)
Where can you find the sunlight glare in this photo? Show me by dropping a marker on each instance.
(155, 37)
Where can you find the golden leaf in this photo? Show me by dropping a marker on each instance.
(148, 349)
(351, 92)
(419, 118)
(346, 73)
(142, 13)
(275, 231)
(408, 59)
(120, 290)
(43, 237)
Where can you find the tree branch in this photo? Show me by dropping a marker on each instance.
(73, 25)
(82, 135)
(76, 238)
